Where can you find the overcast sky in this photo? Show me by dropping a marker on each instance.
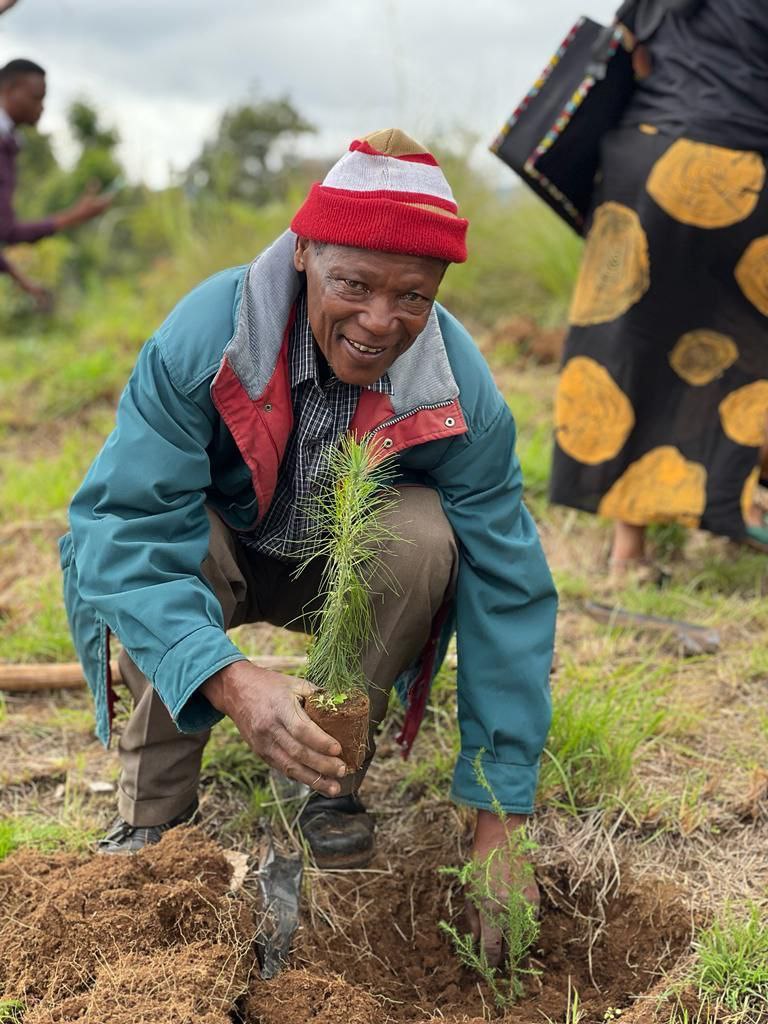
(163, 70)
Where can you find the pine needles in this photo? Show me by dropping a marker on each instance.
(348, 529)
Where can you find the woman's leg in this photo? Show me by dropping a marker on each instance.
(628, 544)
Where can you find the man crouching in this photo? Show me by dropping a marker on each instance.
(185, 522)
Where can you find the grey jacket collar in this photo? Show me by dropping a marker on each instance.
(421, 376)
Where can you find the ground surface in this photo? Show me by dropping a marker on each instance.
(653, 804)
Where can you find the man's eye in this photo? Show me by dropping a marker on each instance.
(355, 286)
(414, 297)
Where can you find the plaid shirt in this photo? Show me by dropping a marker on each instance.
(322, 412)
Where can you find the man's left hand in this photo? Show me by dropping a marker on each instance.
(491, 833)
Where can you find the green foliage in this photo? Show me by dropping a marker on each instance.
(236, 164)
(599, 724)
(502, 904)
(731, 967)
(42, 835)
(11, 1011)
(348, 527)
(228, 760)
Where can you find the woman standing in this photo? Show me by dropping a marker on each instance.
(661, 408)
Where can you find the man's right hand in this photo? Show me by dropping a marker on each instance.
(88, 206)
(267, 709)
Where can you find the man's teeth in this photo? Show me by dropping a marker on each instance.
(364, 348)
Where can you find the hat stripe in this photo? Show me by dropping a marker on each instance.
(363, 146)
(362, 172)
(414, 198)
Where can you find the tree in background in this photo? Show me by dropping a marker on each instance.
(243, 161)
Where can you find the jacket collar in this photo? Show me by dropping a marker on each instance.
(422, 376)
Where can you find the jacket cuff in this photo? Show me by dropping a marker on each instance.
(193, 660)
(513, 785)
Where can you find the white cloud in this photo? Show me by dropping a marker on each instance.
(162, 70)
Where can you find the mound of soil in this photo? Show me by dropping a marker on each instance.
(157, 937)
(150, 937)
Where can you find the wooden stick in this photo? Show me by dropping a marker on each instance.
(28, 678)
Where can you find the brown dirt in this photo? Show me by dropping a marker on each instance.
(347, 723)
(148, 938)
(156, 937)
(523, 338)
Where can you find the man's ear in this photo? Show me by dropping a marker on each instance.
(302, 244)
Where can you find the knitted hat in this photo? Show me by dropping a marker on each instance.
(386, 193)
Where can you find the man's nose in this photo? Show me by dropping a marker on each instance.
(378, 316)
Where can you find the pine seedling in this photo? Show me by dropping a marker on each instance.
(348, 528)
(504, 907)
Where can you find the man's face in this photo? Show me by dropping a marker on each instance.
(24, 99)
(366, 308)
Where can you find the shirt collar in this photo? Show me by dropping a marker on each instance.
(303, 353)
(7, 127)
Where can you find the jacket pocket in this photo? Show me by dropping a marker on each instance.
(91, 637)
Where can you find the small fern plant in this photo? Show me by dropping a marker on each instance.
(511, 913)
(348, 517)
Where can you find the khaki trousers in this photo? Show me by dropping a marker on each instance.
(161, 766)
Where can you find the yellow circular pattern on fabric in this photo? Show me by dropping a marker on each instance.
(614, 269)
(748, 492)
(701, 356)
(707, 186)
(743, 414)
(752, 273)
(661, 487)
(593, 416)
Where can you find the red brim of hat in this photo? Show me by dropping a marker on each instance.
(387, 225)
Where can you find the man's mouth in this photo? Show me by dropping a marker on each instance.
(367, 350)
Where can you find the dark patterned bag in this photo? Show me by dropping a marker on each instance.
(552, 140)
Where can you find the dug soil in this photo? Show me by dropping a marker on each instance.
(157, 937)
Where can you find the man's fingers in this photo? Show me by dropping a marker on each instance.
(321, 764)
(492, 942)
(280, 759)
(301, 727)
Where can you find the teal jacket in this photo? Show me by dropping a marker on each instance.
(204, 420)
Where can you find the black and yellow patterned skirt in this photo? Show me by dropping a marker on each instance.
(662, 403)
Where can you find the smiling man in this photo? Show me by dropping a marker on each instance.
(187, 521)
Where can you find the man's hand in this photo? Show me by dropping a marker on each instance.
(89, 205)
(267, 709)
(491, 833)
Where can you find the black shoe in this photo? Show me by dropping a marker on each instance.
(125, 838)
(339, 831)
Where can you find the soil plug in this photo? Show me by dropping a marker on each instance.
(348, 517)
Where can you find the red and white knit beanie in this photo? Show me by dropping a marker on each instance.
(386, 193)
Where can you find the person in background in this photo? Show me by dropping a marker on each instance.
(661, 407)
(22, 95)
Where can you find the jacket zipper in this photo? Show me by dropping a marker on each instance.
(404, 415)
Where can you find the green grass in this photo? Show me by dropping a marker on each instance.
(11, 1011)
(602, 719)
(42, 632)
(729, 974)
(45, 836)
(228, 760)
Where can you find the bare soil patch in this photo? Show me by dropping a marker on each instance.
(157, 937)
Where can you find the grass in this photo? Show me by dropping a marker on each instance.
(45, 836)
(11, 1011)
(602, 718)
(731, 968)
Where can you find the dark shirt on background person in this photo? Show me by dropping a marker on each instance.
(12, 230)
(709, 78)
